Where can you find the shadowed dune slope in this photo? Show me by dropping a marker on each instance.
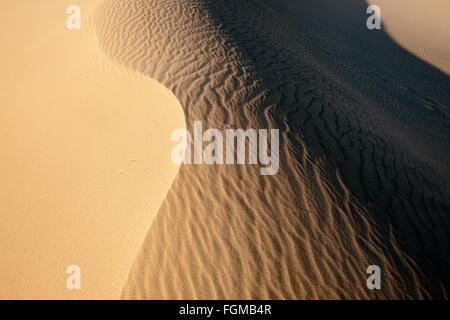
(363, 136)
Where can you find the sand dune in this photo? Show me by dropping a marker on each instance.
(363, 177)
(86, 120)
(82, 166)
(420, 28)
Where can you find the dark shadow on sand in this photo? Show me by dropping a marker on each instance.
(407, 99)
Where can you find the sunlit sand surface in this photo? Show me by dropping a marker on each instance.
(422, 27)
(85, 155)
(364, 141)
(363, 176)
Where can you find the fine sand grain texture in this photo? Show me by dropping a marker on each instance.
(364, 129)
(85, 155)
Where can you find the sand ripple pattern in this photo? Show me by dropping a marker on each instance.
(348, 195)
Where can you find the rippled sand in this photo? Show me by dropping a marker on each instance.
(364, 145)
(364, 142)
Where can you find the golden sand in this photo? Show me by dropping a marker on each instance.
(363, 178)
(85, 159)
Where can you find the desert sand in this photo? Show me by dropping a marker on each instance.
(421, 28)
(364, 142)
(363, 177)
(83, 167)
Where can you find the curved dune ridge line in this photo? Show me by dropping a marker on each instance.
(421, 29)
(83, 169)
(363, 175)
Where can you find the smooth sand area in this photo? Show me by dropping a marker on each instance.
(364, 143)
(85, 155)
(421, 27)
